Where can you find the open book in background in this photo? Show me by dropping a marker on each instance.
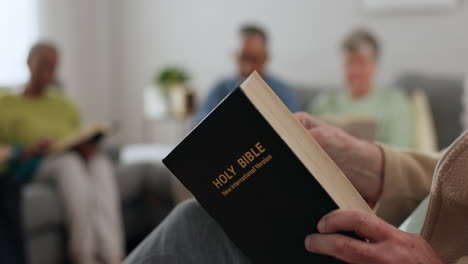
(361, 126)
(92, 133)
(261, 176)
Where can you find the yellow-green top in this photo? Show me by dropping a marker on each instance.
(26, 121)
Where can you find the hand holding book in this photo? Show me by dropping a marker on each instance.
(84, 142)
(361, 161)
(385, 243)
(364, 169)
(42, 147)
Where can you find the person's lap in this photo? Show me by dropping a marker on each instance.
(87, 188)
(187, 235)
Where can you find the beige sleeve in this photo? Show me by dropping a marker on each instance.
(407, 181)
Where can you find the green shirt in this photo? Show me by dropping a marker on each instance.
(25, 121)
(389, 107)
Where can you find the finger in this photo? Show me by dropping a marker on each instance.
(320, 135)
(365, 225)
(342, 247)
(307, 120)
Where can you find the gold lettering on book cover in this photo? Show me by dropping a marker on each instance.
(245, 166)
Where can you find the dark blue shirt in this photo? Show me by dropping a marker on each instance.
(226, 86)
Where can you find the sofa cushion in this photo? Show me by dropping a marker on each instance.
(46, 248)
(42, 208)
(146, 198)
(444, 94)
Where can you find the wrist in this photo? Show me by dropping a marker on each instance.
(374, 169)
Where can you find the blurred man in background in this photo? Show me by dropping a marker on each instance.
(251, 56)
(389, 108)
(30, 123)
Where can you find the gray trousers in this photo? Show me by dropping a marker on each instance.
(187, 235)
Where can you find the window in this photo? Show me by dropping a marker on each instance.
(18, 31)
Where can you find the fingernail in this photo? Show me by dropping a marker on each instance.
(307, 242)
(321, 225)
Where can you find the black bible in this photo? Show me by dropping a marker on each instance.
(261, 176)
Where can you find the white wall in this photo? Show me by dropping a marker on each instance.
(82, 31)
(18, 26)
(202, 36)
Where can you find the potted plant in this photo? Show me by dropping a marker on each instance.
(172, 83)
(170, 78)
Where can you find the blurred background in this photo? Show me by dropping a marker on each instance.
(145, 68)
(111, 50)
